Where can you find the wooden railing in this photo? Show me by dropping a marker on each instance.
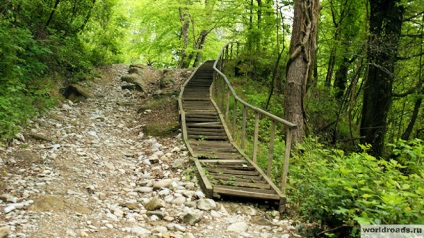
(224, 95)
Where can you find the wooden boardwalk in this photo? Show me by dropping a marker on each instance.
(223, 169)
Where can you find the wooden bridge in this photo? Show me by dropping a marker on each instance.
(223, 169)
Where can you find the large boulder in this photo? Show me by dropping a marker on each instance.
(137, 80)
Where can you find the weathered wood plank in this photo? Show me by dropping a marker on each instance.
(231, 171)
(255, 194)
(240, 184)
(247, 179)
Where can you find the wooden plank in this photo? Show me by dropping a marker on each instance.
(247, 177)
(204, 181)
(221, 161)
(240, 184)
(231, 171)
(207, 137)
(258, 194)
(220, 144)
(213, 132)
(239, 178)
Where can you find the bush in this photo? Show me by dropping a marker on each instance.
(341, 192)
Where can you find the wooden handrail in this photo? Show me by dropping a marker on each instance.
(218, 65)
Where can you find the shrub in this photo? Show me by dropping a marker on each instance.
(340, 191)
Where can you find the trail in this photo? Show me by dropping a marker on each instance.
(87, 170)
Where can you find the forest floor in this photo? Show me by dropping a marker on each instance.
(87, 169)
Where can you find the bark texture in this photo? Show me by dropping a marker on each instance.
(385, 30)
(303, 48)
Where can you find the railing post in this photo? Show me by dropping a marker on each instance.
(286, 160)
(243, 132)
(227, 109)
(255, 139)
(234, 118)
(271, 149)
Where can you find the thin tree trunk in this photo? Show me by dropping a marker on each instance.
(52, 14)
(87, 18)
(274, 79)
(408, 131)
(185, 21)
(199, 46)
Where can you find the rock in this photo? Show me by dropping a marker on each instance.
(155, 213)
(238, 227)
(192, 216)
(154, 204)
(199, 194)
(160, 229)
(137, 230)
(206, 204)
(4, 232)
(175, 227)
(164, 183)
(215, 214)
(189, 235)
(161, 129)
(144, 189)
(40, 137)
(81, 209)
(48, 203)
(261, 221)
(137, 80)
(178, 201)
(131, 206)
(76, 93)
(178, 164)
(19, 205)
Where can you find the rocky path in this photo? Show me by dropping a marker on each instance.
(87, 170)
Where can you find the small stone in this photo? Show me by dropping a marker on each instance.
(101, 196)
(176, 227)
(160, 229)
(137, 230)
(164, 183)
(144, 189)
(199, 194)
(206, 204)
(4, 232)
(70, 233)
(159, 214)
(131, 206)
(178, 201)
(154, 204)
(192, 216)
(261, 221)
(189, 235)
(238, 227)
(215, 214)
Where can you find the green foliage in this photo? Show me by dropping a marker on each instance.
(43, 43)
(342, 191)
(410, 154)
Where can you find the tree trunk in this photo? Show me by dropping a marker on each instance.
(52, 14)
(87, 18)
(385, 29)
(408, 131)
(199, 46)
(302, 57)
(185, 22)
(340, 80)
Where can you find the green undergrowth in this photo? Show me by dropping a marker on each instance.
(340, 192)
